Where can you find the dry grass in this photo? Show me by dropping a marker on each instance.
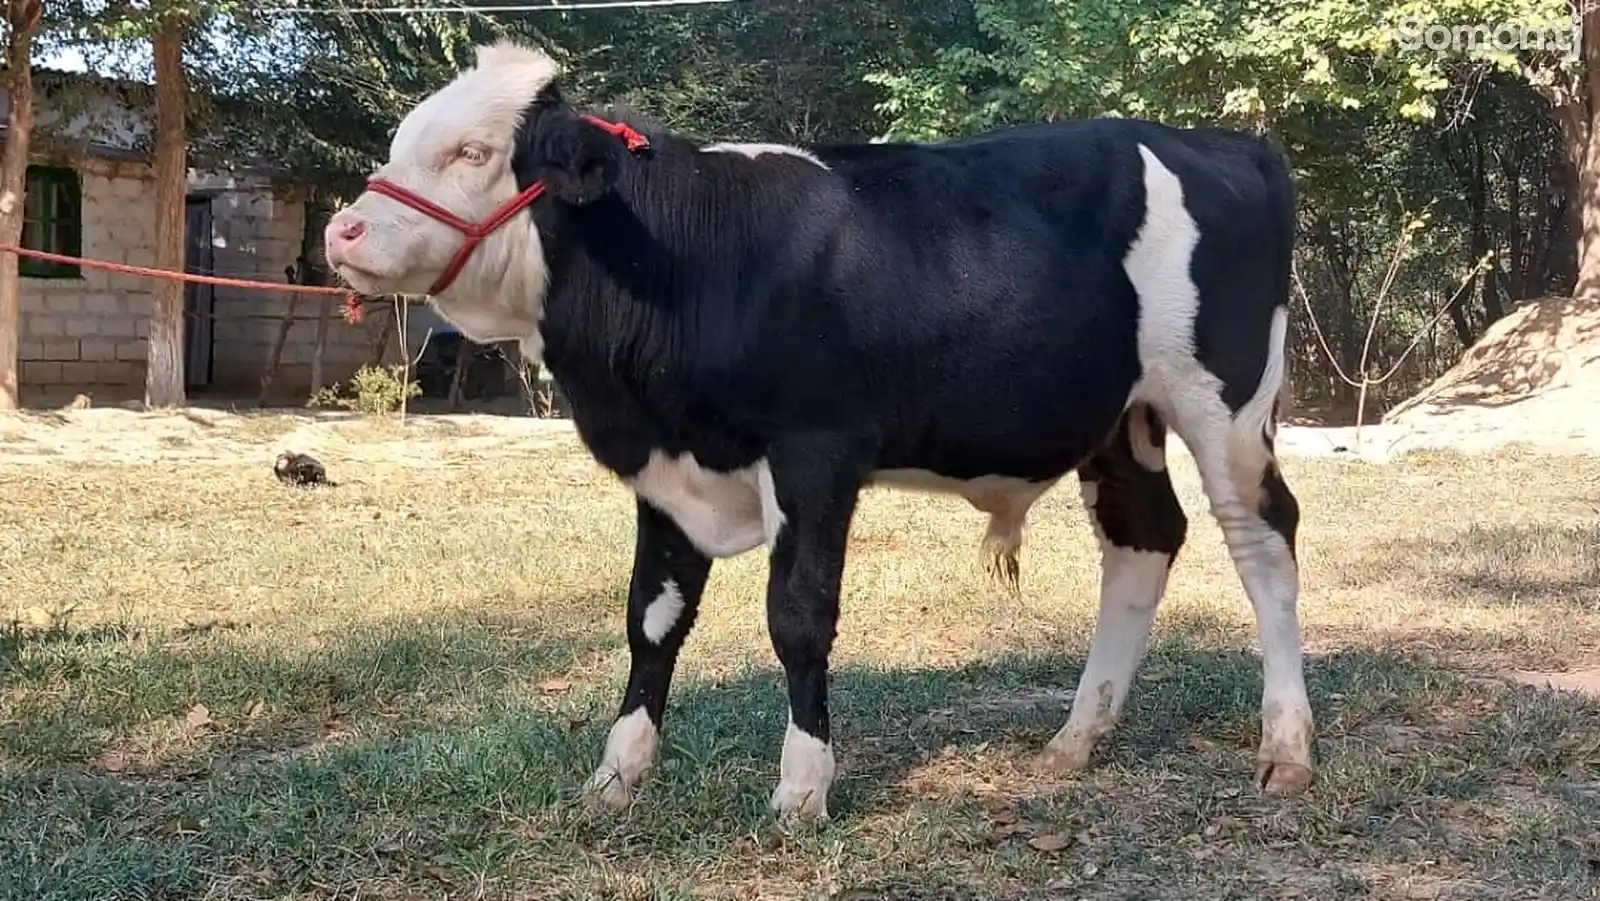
(219, 687)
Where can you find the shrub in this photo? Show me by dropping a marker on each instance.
(373, 390)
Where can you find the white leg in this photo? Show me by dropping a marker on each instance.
(1131, 585)
(1267, 567)
(1259, 517)
(804, 777)
(1141, 527)
(630, 752)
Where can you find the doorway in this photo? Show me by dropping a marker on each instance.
(199, 300)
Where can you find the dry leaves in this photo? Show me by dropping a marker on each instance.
(198, 717)
(771, 839)
(554, 686)
(1005, 823)
(1050, 842)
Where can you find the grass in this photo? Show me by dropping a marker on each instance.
(218, 687)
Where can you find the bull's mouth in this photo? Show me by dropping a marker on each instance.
(362, 281)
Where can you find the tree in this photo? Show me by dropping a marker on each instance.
(111, 34)
(23, 17)
(1381, 123)
(164, 381)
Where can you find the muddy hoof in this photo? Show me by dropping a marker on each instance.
(1276, 778)
(1063, 761)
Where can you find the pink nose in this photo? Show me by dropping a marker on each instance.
(342, 234)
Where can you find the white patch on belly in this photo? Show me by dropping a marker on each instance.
(663, 612)
(988, 493)
(723, 514)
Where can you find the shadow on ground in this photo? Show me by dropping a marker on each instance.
(458, 770)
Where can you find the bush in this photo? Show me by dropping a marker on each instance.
(372, 390)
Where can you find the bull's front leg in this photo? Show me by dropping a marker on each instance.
(815, 492)
(669, 574)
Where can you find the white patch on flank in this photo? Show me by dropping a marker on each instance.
(804, 776)
(663, 612)
(722, 514)
(499, 295)
(1228, 452)
(754, 150)
(630, 752)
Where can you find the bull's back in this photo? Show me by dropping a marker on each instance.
(985, 276)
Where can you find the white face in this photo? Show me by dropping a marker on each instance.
(454, 149)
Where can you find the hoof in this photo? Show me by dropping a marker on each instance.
(1064, 760)
(606, 792)
(1282, 778)
(799, 806)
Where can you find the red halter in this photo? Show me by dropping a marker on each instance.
(477, 231)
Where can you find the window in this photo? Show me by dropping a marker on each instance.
(52, 221)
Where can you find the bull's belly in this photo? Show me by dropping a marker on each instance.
(725, 514)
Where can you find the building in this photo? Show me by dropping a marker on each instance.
(90, 194)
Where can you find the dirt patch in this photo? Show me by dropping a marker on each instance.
(1533, 377)
(1584, 681)
(123, 435)
(1545, 346)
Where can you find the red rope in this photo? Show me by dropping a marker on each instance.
(352, 303)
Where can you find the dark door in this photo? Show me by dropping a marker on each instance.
(199, 300)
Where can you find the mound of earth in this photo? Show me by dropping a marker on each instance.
(1534, 376)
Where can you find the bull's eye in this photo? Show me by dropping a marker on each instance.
(474, 154)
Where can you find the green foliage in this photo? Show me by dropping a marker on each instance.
(1188, 61)
(1379, 133)
(372, 390)
(1379, 129)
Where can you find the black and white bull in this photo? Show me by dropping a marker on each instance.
(750, 334)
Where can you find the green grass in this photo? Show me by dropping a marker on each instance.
(217, 687)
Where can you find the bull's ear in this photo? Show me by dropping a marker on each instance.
(577, 159)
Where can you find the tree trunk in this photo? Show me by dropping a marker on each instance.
(163, 386)
(1576, 108)
(23, 16)
(1517, 245)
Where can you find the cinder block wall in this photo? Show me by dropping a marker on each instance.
(258, 235)
(89, 332)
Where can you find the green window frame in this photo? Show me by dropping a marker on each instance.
(52, 221)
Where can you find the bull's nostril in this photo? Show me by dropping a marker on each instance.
(345, 232)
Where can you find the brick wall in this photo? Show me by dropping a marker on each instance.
(258, 235)
(89, 332)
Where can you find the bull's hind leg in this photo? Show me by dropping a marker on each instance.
(1231, 444)
(1141, 527)
(1259, 517)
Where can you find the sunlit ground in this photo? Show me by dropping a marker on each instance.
(220, 687)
